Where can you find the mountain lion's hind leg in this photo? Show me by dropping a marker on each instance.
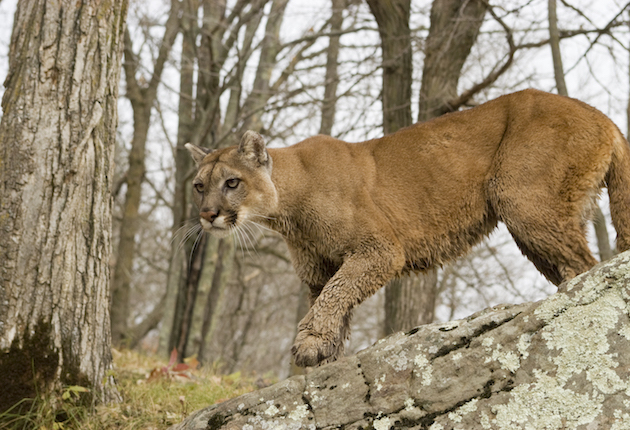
(322, 331)
(552, 239)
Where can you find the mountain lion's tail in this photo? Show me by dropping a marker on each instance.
(618, 180)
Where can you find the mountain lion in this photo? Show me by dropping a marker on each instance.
(355, 215)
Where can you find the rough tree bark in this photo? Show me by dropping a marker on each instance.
(392, 18)
(560, 363)
(454, 29)
(57, 138)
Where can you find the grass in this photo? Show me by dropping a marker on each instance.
(155, 396)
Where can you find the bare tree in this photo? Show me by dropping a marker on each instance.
(329, 103)
(599, 220)
(142, 96)
(57, 138)
(183, 164)
(554, 43)
(452, 34)
(203, 127)
(393, 26)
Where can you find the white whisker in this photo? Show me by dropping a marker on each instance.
(252, 233)
(247, 239)
(263, 227)
(193, 230)
(239, 238)
(195, 243)
(187, 225)
(251, 236)
(262, 216)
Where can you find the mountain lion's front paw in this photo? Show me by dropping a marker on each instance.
(310, 350)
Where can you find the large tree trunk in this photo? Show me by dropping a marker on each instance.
(393, 26)
(453, 32)
(403, 303)
(57, 139)
(560, 363)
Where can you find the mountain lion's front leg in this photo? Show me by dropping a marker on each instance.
(322, 331)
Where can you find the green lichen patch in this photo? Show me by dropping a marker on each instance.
(544, 405)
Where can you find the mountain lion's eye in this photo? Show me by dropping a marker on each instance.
(199, 187)
(232, 183)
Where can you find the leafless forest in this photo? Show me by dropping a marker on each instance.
(204, 71)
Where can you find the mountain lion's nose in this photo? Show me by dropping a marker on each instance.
(209, 215)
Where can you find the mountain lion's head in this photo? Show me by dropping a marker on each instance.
(233, 185)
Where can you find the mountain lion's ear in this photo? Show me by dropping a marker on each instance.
(252, 148)
(197, 152)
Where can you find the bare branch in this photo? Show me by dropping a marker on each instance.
(565, 34)
(605, 30)
(136, 92)
(336, 33)
(130, 65)
(171, 30)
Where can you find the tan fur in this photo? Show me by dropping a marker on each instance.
(356, 215)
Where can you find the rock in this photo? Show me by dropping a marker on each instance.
(561, 363)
